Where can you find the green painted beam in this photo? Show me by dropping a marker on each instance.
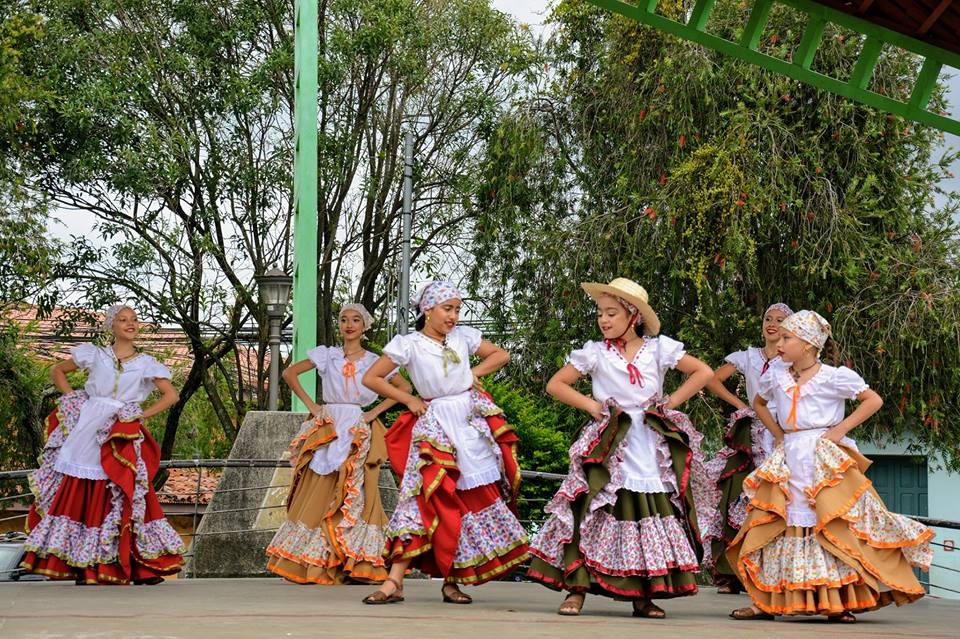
(866, 62)
(809, 43)
(798, 72)
(306, 38)
(701, 14)
(756, 24)
(926, 83)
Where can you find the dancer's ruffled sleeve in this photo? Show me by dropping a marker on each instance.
(155, 370)
(669, 352)
(848, 384)
(83, 355)
(738, 359)
(319, 356)
(398, 350)
(584, 359)
(471, 336)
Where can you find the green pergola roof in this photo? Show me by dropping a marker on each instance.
(930, 33)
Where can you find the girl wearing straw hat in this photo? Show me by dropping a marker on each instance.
(817, 538)
(455, 452)
(624, 523)
(334, 528)
(747, 441)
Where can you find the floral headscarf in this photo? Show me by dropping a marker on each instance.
(780, 306)
(809, 326)
(434, 293)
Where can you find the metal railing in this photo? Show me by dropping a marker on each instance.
(528, 504)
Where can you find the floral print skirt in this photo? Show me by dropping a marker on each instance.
(334, 528)
(857, 556)
(742, 453)
(604, 539)
(97, 531)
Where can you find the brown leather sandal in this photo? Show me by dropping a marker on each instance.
(750, 614)
(455, 596)
(843, 617)
(729, 588)
(379, 597)
(570, 606)
(648, 610)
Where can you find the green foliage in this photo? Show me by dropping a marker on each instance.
(200, 435)
(23, 381)
(544, 433)
(722, 187)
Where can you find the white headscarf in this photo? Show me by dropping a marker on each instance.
(365, 316)
(111, 315)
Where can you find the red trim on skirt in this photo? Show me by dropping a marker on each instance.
(87, 501)
(442, 505)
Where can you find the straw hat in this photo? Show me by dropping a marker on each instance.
(631, 292)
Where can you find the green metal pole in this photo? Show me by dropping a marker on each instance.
(306, 38)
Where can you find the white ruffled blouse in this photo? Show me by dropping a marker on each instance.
(110, 384)
(749, 363)
(820, 405)
(822, 398)
(611, 378)
(447, 393)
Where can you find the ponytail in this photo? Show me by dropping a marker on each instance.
(831, 352)
(421, 322)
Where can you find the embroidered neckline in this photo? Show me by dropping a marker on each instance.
(616, 351)
(787, 382)
(137, 354)
(636, 376)
(339, 351)
(765, 362)
(447, 352)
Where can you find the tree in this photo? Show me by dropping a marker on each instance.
(171, 124)
(444, 69)
(27, 256)
(723, 187)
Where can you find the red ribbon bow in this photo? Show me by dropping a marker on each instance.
(620, 344)
(636, 377)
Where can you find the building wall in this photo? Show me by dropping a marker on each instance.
(943, 489)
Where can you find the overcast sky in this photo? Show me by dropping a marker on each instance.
(532, 12)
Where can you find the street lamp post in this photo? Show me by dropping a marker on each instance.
(275, 288)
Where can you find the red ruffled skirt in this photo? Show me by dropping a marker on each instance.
(466, 536)
(101, 530)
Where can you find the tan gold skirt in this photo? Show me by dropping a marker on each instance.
(858, 556)
(334, 528)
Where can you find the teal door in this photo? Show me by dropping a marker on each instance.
(901, 481)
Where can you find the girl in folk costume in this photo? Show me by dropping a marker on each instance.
(95, 517)
(624, 522)
(334, 528)
(817, 538)
(748, 443)
(456, 454)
